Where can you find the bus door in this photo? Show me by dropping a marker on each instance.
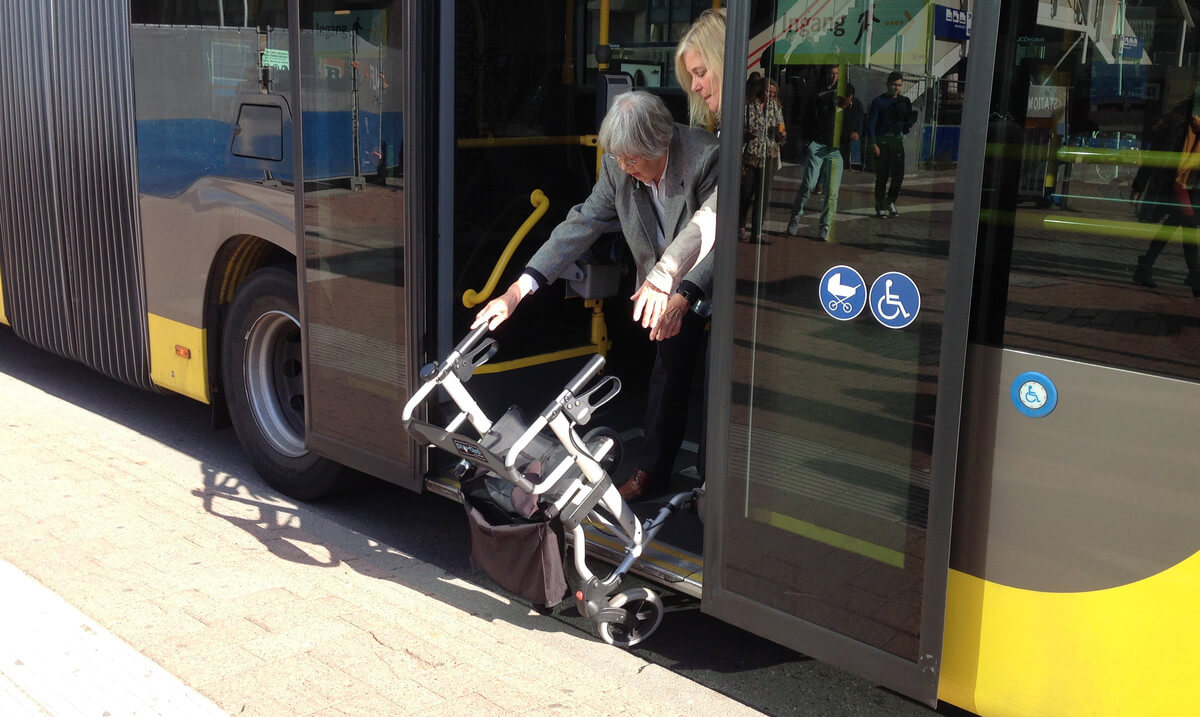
(839, 333)
(360, 220)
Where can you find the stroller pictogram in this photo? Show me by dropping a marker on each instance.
(841, 293)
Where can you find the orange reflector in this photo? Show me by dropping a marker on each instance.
(579, 595)
(183, 351)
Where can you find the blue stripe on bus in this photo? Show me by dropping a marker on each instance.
(174, 153)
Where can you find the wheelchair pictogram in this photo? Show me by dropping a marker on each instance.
(1034, 394)
(843, 293)
(895, 300)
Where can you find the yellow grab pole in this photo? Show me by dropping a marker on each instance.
(541, 204)
(604, 5)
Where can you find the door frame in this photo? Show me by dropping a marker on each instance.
(917, 679)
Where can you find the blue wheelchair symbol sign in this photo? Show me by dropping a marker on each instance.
(843, 293)
(1034, 394)
(895, 300)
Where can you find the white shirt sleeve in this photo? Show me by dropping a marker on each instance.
(527, 283)
(693, 244)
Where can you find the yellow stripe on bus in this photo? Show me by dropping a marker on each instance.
(1125, 650)
(178, 360)
(3, 316)
(849, 543)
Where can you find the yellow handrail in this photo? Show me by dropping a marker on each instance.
(584, 140)
(541, 204)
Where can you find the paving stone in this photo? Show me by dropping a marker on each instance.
(266, 607)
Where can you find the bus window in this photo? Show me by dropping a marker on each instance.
(1091, 200)
(233, 13)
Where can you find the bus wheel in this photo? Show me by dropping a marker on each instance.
(264, 386)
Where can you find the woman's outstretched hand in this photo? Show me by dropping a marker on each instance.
(649, 304)
(496, 311)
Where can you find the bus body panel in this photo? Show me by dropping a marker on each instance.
(72, 241)
(1098, 493)
(3, 317)
(1074, 543)
(198, 222)
(214, 151)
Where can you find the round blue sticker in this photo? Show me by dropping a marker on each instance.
(843, 293)
(895, 300)
(1034, 394)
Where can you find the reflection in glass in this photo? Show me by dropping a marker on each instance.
(1092, 188)
(351, 64)
(832, 420)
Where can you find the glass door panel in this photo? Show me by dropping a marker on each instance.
(837, 348)
(352, 70)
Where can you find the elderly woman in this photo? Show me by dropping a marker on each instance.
(663, 299)
(654, 175)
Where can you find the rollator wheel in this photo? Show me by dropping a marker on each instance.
(592, 439)
(643, 613)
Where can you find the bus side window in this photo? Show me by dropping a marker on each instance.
(259, 132)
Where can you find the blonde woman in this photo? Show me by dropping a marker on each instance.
(666, 295)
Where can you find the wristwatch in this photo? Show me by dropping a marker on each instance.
(688, 293)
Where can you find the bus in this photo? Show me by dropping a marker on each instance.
(946, 446)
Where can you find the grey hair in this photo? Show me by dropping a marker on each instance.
(637, 124)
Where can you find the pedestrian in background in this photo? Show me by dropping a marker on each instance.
(822, 158)
(765, 131)
(890, 117)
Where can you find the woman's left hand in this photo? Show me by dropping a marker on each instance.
(672, 319)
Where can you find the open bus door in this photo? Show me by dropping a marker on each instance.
(363, 222)
(836, 369)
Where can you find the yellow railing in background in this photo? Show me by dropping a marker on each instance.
(540, 205)
(599, 345)
(1125, 157)
(471, 298)
(583, 140)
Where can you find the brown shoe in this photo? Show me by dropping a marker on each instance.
(636, 486)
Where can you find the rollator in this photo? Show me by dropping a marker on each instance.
(552, 474)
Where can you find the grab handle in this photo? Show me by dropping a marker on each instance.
(540, 205)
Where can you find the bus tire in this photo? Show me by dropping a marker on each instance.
(264, 386)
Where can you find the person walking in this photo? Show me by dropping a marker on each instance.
(822, 157)
(889, 118)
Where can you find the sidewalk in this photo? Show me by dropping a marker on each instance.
(256, 605)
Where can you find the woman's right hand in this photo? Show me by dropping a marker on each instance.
(649, 304)
(876, 147)
(497, 311)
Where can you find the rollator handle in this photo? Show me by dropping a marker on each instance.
(471, 339)
(587, 373)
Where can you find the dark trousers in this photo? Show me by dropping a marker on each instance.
(756, 194)
(668, 393)
(888, 165)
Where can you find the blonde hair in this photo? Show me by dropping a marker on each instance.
(707, 37)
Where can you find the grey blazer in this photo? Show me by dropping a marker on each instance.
(619, 202)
